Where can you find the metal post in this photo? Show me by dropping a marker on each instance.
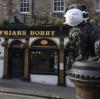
(61, 73)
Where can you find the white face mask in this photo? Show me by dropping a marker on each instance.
(73, 17)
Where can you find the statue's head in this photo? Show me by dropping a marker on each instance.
(76, 14)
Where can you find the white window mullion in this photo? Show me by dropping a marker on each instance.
(24, 6)
(58, 5)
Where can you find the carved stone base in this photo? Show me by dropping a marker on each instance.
(87, 92)
(26, 79)
(6, 77)
(60, 84)
(86, 77)
(61, 79)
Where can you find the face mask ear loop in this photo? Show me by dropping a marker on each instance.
(64, 15)
(85, 19)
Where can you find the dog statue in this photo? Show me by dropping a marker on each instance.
(83, 34)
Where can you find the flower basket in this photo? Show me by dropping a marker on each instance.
(5, 43)
(24, 45)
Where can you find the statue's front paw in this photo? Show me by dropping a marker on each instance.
(97, 58)
(79, 58)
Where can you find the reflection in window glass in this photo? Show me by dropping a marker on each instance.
(97, 4)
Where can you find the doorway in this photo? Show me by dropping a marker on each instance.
(15, 60)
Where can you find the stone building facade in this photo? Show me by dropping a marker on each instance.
(42, 55)
(43, 9)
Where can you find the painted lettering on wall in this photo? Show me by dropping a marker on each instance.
(13, 33)
(42, 33)
(26, 33)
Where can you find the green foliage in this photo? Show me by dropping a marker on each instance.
(30, 21)
(5, 43)
(49, 21)
(58, 21)
(25, 44)
(3, 22)
(38, 21)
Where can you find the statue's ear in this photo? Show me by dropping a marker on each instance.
(82, 8)
(70, 7)
(66, 9)
(65, 12)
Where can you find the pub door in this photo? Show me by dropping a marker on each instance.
(15, 62)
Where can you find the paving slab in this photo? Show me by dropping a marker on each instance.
(36, 89)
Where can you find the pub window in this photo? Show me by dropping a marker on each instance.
(97, 5)
(44, 62)
(44, 57)
(24, 6)
(58, 5)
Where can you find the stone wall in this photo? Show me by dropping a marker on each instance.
(4, 9)
(42, 7)
(39, 8)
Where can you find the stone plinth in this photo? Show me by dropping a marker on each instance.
(86, 77)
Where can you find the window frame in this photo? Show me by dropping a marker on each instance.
(60, 11)
(97, 9)
(24, 2)
(35, 70)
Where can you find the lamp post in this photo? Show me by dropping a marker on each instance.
(24, 18)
